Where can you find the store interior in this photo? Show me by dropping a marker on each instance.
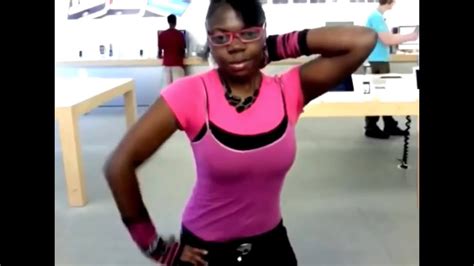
(348, 199)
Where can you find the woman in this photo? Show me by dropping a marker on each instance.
(241, 126)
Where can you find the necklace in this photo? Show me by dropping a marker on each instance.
(236, 101)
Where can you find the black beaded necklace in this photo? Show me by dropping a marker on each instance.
(236, 101)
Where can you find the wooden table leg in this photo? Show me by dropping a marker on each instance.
(72, 159)
(130, 107)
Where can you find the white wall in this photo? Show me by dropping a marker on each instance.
(129, 35)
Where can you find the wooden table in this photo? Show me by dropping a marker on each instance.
(197, 61)
(394, 102)
(74, 97)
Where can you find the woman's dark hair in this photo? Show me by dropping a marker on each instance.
(250, 11)
(385, 2)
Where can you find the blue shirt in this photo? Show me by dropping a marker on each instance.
(381, 52)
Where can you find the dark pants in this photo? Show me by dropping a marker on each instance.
(270, 248)
(371, 121)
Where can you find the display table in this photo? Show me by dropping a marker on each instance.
(75, 97)
(196, 61)
(400, 97)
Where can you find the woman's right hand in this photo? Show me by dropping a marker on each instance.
(152, 245)
(194, 256)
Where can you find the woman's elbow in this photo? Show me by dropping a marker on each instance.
(120, 164)
(113, 167)
(109, 168)
(368, 38)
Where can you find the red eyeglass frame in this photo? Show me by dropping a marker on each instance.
(236, 34)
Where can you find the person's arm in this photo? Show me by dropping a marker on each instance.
(160, 47)
(386, 37)
(170, 112)
(389, 38)
(183, 45)
(140, 142)
(341, 51)
(160, 52)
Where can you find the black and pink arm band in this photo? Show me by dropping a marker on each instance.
(289, 45)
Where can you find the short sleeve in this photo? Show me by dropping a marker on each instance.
(186, 99)
(291, 85)
(377, 23)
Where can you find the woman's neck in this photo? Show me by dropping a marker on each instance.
(243, 87)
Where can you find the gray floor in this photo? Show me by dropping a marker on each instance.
(345, 201)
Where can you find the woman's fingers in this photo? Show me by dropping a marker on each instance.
(194, 256)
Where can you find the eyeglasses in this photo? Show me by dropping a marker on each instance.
(245, 36)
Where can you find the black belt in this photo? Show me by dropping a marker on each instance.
(236, 250)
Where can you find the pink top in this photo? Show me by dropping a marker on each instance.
(241, 158)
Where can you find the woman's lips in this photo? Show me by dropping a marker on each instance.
(239, 66)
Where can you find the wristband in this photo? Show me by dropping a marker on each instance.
(153, 245)
(289, 45)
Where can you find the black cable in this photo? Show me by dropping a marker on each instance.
(404, 161)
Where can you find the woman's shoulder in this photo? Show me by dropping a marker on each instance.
(191, 83)
(290, 84)
(288, 77)
(186, 99)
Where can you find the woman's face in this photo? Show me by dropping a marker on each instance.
(236, 59)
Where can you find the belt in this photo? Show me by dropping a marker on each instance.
(236, 250)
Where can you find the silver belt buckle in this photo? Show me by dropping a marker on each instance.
(245, 248)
